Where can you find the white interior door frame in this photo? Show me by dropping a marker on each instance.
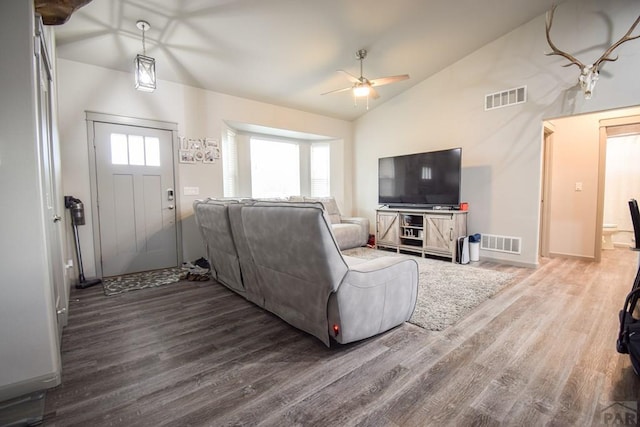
(95, 117)
(547, 143)
(609, 127)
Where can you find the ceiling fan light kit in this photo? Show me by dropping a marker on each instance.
(145, 66)
(363, 87)
(361, 90)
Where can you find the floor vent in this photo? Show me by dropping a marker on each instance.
(491, 242)
(505, 98)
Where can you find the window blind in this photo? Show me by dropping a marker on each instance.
(230, 164)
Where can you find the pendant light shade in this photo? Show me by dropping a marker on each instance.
(145, 66)
(361, 90)
(145, 73)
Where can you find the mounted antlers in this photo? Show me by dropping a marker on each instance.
(588, 73)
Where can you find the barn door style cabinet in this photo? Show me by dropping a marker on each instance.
(426, 232)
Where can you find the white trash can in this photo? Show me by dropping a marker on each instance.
(474, 251)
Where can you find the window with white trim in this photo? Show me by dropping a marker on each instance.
(320, 169)
(275, 168)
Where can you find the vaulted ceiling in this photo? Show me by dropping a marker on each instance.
(287, 52)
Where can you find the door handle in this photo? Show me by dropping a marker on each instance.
(57, 218)
(61, 311)
(170, 207)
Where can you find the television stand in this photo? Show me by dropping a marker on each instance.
(423, 231)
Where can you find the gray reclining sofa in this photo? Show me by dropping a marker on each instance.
(283, 257)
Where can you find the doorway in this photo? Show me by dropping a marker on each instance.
(620, 151)
(134, 192)
(573, 181)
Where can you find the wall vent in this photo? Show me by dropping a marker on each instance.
(505, 98)
(491, 242)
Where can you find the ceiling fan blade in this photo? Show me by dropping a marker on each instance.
(351, 77)
(386, 80)
(337, 90)
(373, 93)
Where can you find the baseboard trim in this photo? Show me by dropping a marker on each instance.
(23, 411)
(569, 256)
(508, 262)
(32, 385)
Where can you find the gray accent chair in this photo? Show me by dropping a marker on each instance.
(289, 263)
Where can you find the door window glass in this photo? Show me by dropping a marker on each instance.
(152, 151)
(135, 150)
(119, 150)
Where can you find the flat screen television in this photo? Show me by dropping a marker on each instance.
(421, 180)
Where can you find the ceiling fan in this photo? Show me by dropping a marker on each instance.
(362, 86)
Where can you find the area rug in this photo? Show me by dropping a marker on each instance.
(446, 291)
(147, 279)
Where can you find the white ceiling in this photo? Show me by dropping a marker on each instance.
(286, 52)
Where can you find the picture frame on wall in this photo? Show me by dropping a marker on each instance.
(198, 150)
(209, 156)
(187, 156)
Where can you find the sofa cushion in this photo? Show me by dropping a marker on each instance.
(247, 266)
(212, 218)
(296, 274)
(348, 235)
(330, 206)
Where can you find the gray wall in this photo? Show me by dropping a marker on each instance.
(501, 149)
(199, 113)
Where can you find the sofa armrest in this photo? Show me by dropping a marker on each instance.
(362, 222)
(374, 296)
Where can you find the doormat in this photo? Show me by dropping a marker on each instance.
(146, 279)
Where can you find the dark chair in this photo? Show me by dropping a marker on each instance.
(627, 336)
(635, 219)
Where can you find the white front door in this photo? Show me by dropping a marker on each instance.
(136, 199)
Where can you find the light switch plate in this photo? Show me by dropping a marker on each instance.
(191, 191)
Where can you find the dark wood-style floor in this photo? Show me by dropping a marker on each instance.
(542, 351)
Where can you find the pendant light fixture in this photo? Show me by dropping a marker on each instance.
(145, 66)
